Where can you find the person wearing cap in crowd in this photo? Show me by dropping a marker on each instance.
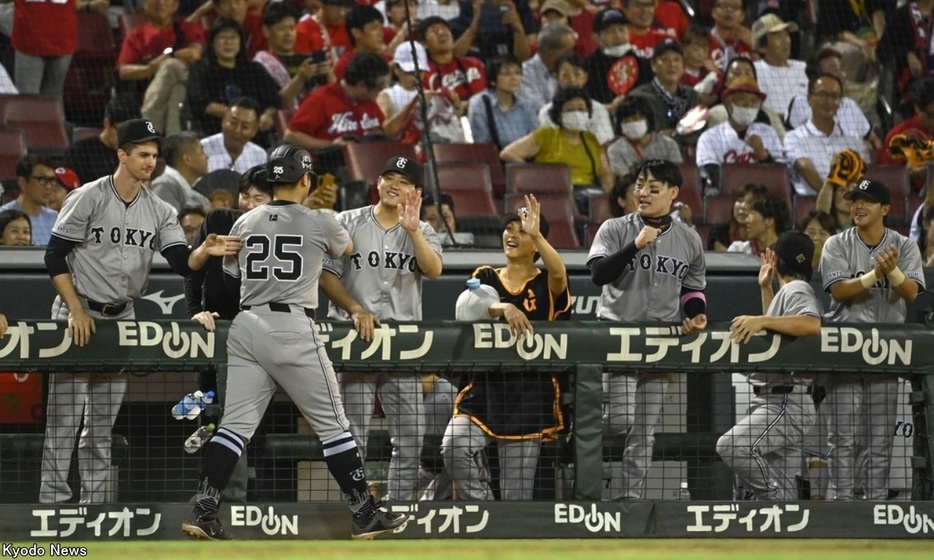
(96, 156)
(779, 76)
(67, 181)
(741, 139)
(518, 411)
(346, 110)
(37, 181)
(809, 149)
(401, 98)
(449, 73)
(644, 30)
(539, 73)
(498, 115)
(871, 273)
(277, 319)
(765, 448)
(669, 99)
(614, 68)
(99, 258)
(325, 31)
(393, 251)
(296, 73)
(185, 164)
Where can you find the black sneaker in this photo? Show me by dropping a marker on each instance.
(205, 525)
(378, 522)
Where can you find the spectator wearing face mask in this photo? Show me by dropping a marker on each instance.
(636, 140)
(572, 72)
(741, 139)
(571, 144)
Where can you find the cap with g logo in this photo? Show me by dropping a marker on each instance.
(287, 164)
(796, 250)
(137, 131)
(406, 166)
(871, 190)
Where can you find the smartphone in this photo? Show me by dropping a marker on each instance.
(319, 56)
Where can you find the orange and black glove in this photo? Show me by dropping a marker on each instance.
(846, 167)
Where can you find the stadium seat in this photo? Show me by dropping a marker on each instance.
(12, 149)
(477, 153)
(470, 186)
(91, 74)
(561, 221)
(690, 192)
(553, 180)
(718, 209)
(804, 205)
(41, 118)
(895, 177)
(773, 176)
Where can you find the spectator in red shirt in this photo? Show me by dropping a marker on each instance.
(346, 110)
(365, 27)
(156, 55)
(237, 10)
(462, 75)
(729, 38)
(581, 20)
(644, 31)
(326, 30)
(919, 126)
(670, 15)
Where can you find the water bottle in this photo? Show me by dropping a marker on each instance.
(683, 492)
(474, 303)
(199, 438)
(192, 404)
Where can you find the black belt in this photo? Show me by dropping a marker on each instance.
(778, 389)
(282, 308)
(106, 309)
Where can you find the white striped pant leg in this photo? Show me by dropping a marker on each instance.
(462, 448)
(66, 403)
(880, 403)
(105, 396)
(403, 404)
(637, 457)
(844, 438)
(518, 460)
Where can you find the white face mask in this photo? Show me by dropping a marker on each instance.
(618, 50)
(744, 116)
(634, 130)
(575, 120)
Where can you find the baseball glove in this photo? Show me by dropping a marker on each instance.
(846, 167)
(915, 151)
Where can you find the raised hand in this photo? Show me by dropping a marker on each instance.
(531, 219)
(409, 212)
(767, 269)
(887, 260)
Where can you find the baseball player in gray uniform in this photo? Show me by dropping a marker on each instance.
(99, 259)
(273, 342)
(871, 273)
(393, 251)
(651, 269)
(765, 448)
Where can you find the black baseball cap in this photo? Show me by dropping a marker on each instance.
(870, 189)
(796, 250)
(287, 164)
(406, 166)
(510, 217)
(137, 131)
(667, 45)
(608, 17)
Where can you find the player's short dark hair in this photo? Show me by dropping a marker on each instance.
(255, 177)
(274, 12)
(359, 17)
(621, 188)
(923, 92)
(225, 24)
(496, 66)
(178, 145)
(11, 215)
(562, 96)
(366, 68)
(812, 82)
(186, 210)
(662, 170)
(29, 162)
(770, 206)
(813, 66)
(631, 106)
(122, 108)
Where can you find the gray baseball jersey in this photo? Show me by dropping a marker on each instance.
(283, 247)
(115, 239)
(794, 298)
(846, 256)
(651, 291)
(382, 273)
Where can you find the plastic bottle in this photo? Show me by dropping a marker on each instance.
(683, 492)
(473, 304)
(192, 404)
(199, 438)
